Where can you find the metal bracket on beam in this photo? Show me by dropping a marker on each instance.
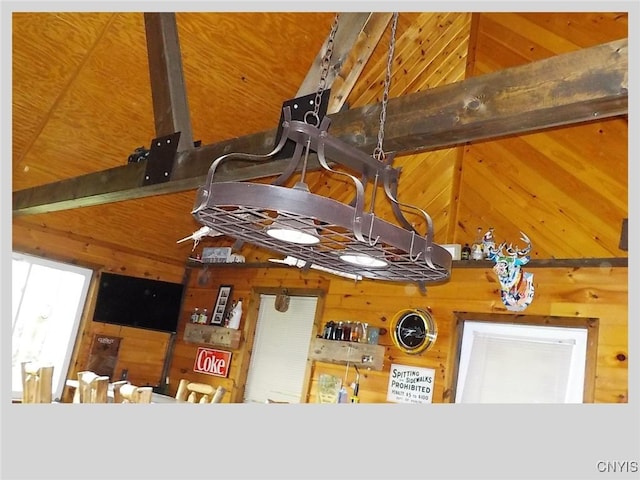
(301, 110)
(161, 158)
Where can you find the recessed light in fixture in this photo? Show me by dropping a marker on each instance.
(285, 233)
(363, 260)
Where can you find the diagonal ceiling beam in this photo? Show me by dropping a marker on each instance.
(169, 95)
(355, 40)
(580, 86)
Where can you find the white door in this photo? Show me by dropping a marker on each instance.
(280, 350)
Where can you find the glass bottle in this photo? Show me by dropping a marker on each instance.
(364, 332)
(465, 254)
(356, 329)
(476, 250)
(195, 315)
(373, 335)
(328, 330)
(346, 331)
(236, 315)
(337, 331)
(204, 317)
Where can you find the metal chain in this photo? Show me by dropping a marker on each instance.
(378, 153)
(325, 64)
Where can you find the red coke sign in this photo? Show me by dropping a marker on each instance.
(212, 362)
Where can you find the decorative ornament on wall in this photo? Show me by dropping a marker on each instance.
(516, 285)
(281, 303)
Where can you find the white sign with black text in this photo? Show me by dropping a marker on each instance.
(410, 384)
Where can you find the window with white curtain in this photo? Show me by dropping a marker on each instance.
(47, 301)
(280, 350)
(521, 363)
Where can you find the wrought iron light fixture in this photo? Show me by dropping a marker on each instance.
(317, 231)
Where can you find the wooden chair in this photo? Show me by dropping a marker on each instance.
(92, 388)
(37, 383)
(194, 392)
(124, 392)
(217, 397)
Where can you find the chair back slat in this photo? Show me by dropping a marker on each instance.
(92, 388)
(194, 392)
(37, 382)
(124, 392)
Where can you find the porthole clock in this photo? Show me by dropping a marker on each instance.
(413, 330)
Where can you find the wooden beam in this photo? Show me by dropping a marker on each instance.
(588, 84)
(170, 106)
(355, 40)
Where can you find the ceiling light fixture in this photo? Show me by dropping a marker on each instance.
(363, 260)
(290, 229)
(320, 231)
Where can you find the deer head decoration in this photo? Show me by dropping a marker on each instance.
(516, 285)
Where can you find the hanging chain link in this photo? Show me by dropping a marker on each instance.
(325, 64)
(378, 153)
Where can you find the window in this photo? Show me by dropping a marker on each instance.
(47, 302)
(533, 360)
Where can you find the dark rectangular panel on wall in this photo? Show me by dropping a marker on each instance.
(624, 235)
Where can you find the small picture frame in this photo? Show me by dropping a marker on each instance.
(222, 303)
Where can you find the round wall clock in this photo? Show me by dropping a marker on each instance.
(413, 330)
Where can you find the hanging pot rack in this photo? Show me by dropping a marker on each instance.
(245, 210)
(317, 231)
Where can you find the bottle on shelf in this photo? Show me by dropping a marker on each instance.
(477, 252)
(235, 316)
(465, 253)
(488, 243)
(195, 315)
(204, 317)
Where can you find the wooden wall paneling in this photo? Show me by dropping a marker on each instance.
(138, 237)
(519, 34)
(107, 53)
(443, 39)
(91, 253)
(143, 358)
(142, 352)
(581, 292)
(95, 130)
(58, 66)
(585, 28)
(135, 227)
(537, 173)
(423, 29)
(248, 283)
(228, 45)
(526, 181)
(450, 64)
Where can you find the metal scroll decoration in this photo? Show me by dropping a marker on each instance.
(516, 285)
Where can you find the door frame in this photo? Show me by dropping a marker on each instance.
(252, 314)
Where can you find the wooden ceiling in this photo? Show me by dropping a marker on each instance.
(82, 103)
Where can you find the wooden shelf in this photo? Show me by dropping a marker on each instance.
(533, 263)
(212, 335)
(192, 262)
(363, 355)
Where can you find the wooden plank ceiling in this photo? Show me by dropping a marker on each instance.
(82, 103)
